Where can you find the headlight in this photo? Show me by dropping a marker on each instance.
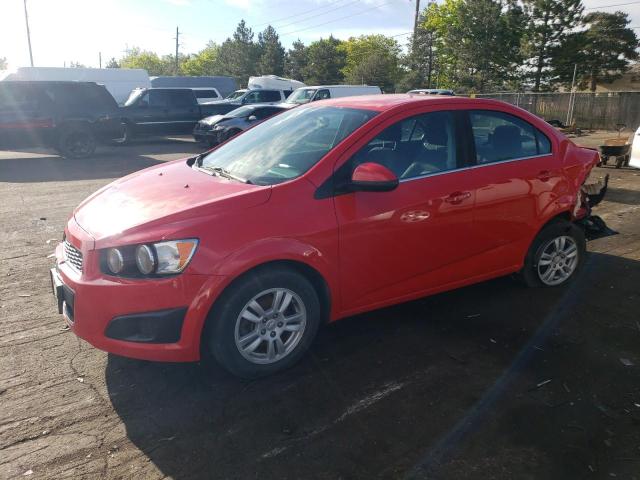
(218, 127)
(161, 258)
(145, 259)
(174, 256)
(115, 260)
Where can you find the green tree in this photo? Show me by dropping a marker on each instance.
(296, 61)
(325, 62)
(3, 63)
(112, 63)
(271, 53)
(443, 20)
(602, 52)
(421, 61)
(371, 59)
(238, 56)
(150, 61)
(205, 62)
(76, 65)
(548, 23)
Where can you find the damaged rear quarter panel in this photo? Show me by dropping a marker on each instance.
(577, 164)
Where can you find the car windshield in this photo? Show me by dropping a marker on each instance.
(236, 94)
(133, 96)
(287, 145)
(240, 112)
(302, 95)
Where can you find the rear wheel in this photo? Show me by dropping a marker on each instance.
(76, 142)
(555, 255)
(264, 323)
(231, 133)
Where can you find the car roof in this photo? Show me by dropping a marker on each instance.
(381, 103)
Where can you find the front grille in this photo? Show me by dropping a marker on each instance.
(73, 256)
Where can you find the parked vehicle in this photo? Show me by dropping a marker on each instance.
(323, 92)
(224, 85)
(247, 97)
(220, 128)
(324, 211)
(206, 95)
(161, 111)
(273, 82)
(118, 81)
(634, 161)
(431, 91)
(72, 117)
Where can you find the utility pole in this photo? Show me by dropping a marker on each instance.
(415, 20)
(26, 20)
(177, 44)
(99, 59)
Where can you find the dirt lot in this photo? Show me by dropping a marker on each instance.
(490, 381)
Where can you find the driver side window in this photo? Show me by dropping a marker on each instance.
(416, 146)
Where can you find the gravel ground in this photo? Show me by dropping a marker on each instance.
(490, 381)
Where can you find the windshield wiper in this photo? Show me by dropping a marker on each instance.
(221, 172)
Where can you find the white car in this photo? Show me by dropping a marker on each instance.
(322, 92)
(635, 150)
(206, 94)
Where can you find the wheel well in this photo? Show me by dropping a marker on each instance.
(317, 281)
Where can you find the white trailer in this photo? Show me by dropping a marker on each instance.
(273, 82)
(118, 81)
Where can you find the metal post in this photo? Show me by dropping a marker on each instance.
(177, 44)
(99, 59)
(26, 20)
(572, 96)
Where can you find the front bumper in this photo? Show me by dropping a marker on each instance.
(149, 319)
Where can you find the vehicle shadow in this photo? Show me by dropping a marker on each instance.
(375, 395)
(623, 195)
(112, 161)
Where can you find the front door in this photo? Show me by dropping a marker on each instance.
(414, 238)
(184, 113)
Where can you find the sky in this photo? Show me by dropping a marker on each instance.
(65, 31)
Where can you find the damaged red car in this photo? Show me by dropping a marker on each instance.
(328, 210)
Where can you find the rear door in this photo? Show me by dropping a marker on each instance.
(518, 176)
(183, 113)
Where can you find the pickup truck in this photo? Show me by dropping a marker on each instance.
(162, 111)
(242, 97)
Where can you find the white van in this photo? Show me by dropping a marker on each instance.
(322, 92)
(118, 81)
(206, 94)
(273, 82)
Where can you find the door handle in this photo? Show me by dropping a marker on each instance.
(457, 197)
(544, 175)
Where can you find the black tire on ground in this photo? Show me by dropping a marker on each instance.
(530, 273)
(219, 334)
(76, 142)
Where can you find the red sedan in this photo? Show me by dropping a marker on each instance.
(325, 211)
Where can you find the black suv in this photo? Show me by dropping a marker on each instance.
(72, 117)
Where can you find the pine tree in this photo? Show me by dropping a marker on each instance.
(238, 56)
(271, 53)
(296, 61)
(548, 23)
(325, 62)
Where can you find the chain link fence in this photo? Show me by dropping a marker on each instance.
(602, 111)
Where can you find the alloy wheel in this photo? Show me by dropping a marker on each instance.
(558, 260)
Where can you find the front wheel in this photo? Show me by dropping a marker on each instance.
(76, 142)
(555, 255)
(264, 323)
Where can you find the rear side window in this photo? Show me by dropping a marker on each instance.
(322, 94)
(16, 98)
(269, 96)
(499, 136)
(81, 97)
(180, 98)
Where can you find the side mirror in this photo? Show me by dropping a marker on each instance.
(373, 177)
(251, 118)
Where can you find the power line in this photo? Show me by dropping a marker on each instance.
(336, 19)
(297, 14)
(319, 14)
(612, 5)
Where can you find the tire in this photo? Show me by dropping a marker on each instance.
(543, 257)
(620, 162)
(127, 135)
(76, 142)
(235, 323)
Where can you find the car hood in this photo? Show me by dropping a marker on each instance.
(160, 197)
(212, 120)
